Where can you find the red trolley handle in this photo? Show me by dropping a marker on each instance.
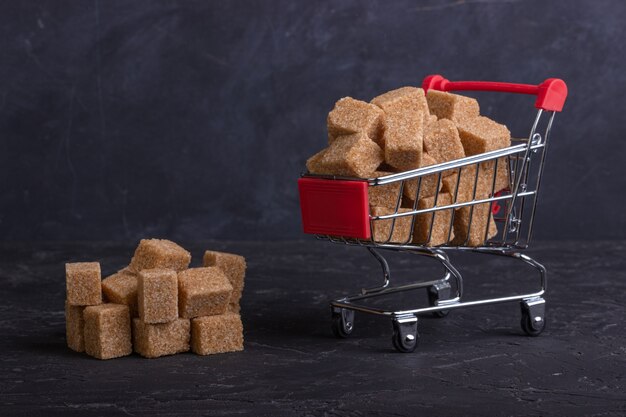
(551, 93)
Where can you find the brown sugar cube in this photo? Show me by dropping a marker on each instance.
(350, 156)
(107, 331)
(450, 106)
(385, 167)
(430, 119)
(441, 222)
(217, 334)
(159, 253)
(481, 220)
(427, 160)
(384, 195)
(486, 186)
(502, 175)
(382, 228)
(406, 113)
(429, 183)
(465, 190)
(121, 288)
(404, 100)
(155, 340)
(484, 182)
(234, 307)
(203, 292)
(82, 283)
(313, 164)
(403, 141)
(481, 134)
(233, 266)
(352, 116)
(442, 141)
(74, 325)
(157, 295)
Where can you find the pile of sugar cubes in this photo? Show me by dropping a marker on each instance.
(157, 305)
(406, 129)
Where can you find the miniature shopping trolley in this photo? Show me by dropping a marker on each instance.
(336, 209)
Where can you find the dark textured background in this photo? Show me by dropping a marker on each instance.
(193, 119)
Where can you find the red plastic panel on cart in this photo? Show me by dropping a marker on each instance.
(334, 207)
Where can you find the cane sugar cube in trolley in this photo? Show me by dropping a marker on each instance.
(352, 155)
(383, 195)
(473, 225)
(442, 141)
(406, 113)
(502, 177)
(396, 230)
(352, 116)
(441, 231)
(451, 106)
(403, 100)
(425, 185)
(477, 183)
(481, 134)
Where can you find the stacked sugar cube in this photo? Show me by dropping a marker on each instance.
(406, 129)
(157, 305)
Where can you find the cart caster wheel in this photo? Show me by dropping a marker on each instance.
(439, 291)
(533, 316)
(342, 322)
(405, 336)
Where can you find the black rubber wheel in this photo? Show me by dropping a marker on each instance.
(432, 301)
(401, 344)
(339, 330)
(528, 328)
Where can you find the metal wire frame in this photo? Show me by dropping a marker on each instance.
(451, 276)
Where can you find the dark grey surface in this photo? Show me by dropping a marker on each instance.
(474, 362)
(193, 119)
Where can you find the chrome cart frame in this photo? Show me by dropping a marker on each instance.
(513, 210)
